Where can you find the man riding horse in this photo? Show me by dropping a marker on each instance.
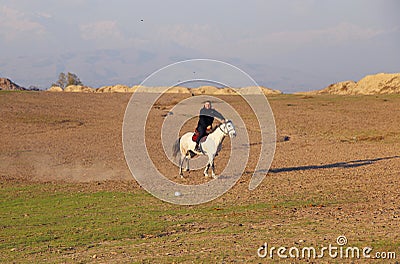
(206, 119)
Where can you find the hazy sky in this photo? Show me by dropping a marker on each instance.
(286, 45)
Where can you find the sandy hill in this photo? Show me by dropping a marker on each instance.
(119, 88)
(382, 83)
(8, 85)
(55, 89)
(211, 90)
(176, 89)
(79, 88)
(254, 90)
(229, 91)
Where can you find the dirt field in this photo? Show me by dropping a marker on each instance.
(337, 172)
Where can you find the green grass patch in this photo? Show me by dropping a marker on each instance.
(34, 219)
(65, 223)
(45, 219)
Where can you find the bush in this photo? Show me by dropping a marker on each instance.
(65, 80)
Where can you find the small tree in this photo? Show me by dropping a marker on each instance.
(62, 81)
(73, 79)
(67, 79)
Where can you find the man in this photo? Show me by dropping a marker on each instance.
(207, 115)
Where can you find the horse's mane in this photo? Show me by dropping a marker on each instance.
(215, 127)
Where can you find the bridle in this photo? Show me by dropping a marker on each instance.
(226, 133)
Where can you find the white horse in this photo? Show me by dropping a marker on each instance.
(210, 147)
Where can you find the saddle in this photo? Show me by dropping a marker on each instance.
(196, 134)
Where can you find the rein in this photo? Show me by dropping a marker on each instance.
(225, 133)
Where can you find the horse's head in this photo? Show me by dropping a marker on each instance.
(228, 128)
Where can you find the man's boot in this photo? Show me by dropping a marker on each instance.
(197, 148)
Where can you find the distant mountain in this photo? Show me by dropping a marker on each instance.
(8, 85)
(131, 66)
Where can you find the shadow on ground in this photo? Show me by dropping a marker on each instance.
(346, 164)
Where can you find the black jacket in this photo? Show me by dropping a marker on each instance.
(207, 117)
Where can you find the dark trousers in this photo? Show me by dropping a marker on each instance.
(202, 133)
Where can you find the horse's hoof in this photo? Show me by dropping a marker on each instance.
(206, 175)
(214, 176)
(187, 170)
(181, 175)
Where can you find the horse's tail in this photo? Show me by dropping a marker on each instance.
(176, 147)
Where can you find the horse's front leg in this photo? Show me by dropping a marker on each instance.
(187, 164)
(206, 169)
(210, 163)
(212, 169)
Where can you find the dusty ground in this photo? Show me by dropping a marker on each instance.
(340, 148)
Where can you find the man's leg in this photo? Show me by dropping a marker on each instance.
(202, 132)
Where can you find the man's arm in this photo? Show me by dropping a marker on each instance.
(212, 112)
(218, 115)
